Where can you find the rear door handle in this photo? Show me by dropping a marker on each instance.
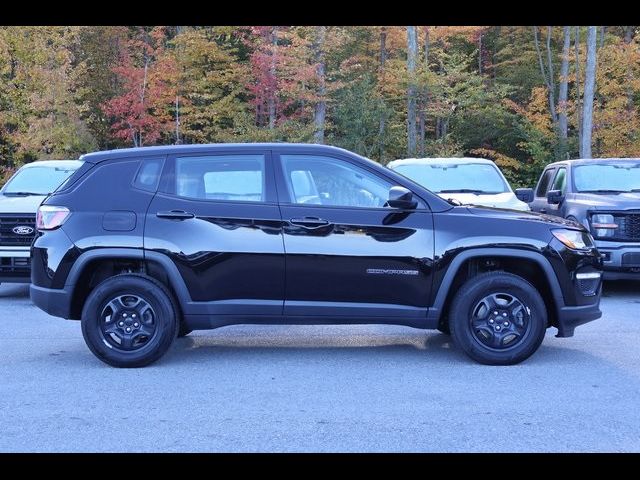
(309, 222)
(543, 210)
(175, 215)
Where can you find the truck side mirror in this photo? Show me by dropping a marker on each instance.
(555, 197)
(524, 194)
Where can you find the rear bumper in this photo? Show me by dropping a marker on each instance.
(56, 302)
(571, 317)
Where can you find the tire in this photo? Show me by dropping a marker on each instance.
(183, 331)
(480, 327)
(138, 303)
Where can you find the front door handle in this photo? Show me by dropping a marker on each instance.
(175, 215)
(543, 210)
(309, 222)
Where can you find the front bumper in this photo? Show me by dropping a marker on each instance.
(15, 265)
(570, 317)
(54, 301)
(621, 260)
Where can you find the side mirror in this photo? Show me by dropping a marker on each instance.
(555, 197)
(400, 197)
(524, 194)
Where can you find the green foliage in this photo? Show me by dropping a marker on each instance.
(68, 90)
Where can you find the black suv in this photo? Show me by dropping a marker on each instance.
(147, 244)
(604, 196)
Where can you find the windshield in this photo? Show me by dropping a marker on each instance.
(37, 180)
(456, 178)
(607, 177)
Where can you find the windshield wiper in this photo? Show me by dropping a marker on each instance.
(604, 191)
(22, 194)
(464, 190)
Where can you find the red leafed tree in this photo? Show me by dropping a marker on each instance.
(282, 74)
(143, 112)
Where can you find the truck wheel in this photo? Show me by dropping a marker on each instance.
(129, 320)
(498, 318)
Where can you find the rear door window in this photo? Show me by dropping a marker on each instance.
(226, 177)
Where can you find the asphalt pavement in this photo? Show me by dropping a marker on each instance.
(365, 388)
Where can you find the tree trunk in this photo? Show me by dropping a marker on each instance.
(138, 143)
(576, 44)
(421, 131)
(495, 52)
(412, 55)
(178, 142)
(628, 34)
(426, 48)
(271, 106)
(383, 60)
(422, 120)
(321, 104)
(589, 89)
(562, 94)
(480, 53)
(628, 38)
(548, 79)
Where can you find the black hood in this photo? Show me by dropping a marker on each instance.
(508, 214)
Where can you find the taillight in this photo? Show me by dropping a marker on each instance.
(50, 217)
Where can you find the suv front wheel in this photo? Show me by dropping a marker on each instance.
(498, 318)
(129, 320)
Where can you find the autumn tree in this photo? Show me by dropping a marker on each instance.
(210, 88)
(40, 118)
(142, 113)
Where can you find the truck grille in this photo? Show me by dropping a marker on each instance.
(8, 237)
(630, 228)
(15, 266)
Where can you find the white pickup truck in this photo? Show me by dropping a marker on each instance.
(19, 200)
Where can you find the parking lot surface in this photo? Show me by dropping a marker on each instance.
(319, 388)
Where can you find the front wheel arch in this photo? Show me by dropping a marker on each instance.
(464, 266)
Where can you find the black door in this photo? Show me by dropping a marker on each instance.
(347, 254)
(540, 203)
(217, 218)
(559, 183)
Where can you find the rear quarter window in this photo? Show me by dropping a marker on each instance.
(148, 176)
(75, 176)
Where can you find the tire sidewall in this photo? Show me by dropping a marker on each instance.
(466, 300)
(165, 316)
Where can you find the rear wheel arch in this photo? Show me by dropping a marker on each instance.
(93, 267)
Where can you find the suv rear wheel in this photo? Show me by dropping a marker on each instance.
(498, 318)
(129, 320)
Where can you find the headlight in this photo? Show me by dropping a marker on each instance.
(574, 239)
(603, 225)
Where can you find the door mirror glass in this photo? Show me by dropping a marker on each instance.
(555, 197)
(524, 194)
(400, 197)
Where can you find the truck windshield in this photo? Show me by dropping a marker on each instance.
(37, 180)
(479, 178)
(607, 177)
